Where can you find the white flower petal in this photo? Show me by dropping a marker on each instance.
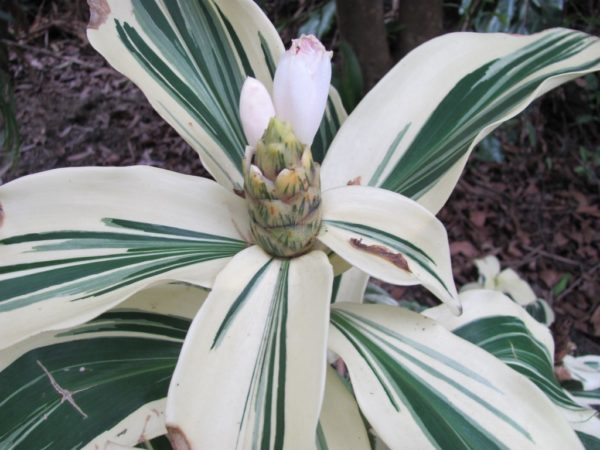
(256, 109)
(301, 86)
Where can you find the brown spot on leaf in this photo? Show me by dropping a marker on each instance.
(396, 259)
(355, 182)
(99, 11)
(1, 215)
(178, 439)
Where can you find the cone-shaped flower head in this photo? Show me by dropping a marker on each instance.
(281, 180)
(283, 192)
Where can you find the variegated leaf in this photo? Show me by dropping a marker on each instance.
(378, 295)
(75, 242)
(191, 59)
(584, 369)
(260, 339)
(590, 442)
(498, 325)
(390, 237)
(509, 282)
(541, 311)
(349, 286)
(341, 426)
(420, 386)
(589, 433)
(413, 132)
(100, 383)
(584, 398)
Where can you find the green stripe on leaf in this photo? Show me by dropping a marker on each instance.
(212, 73)
(238, 304)
(478, 100)
(64, 394)
(508, 339)
(443, 424)
(158, 250)
(329, 127)
(266, 394)
(396, 243)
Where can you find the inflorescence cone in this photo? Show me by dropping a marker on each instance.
(283, 192)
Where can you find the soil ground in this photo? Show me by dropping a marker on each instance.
(538, 211)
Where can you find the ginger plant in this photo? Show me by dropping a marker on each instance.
(136, 302)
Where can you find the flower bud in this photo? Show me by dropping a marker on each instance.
(301, 86)
(256, 109)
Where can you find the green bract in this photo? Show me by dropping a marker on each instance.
(101, 312)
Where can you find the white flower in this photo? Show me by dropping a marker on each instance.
(256, 109)
(300, 91)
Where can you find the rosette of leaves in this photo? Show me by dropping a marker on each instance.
(247, 366)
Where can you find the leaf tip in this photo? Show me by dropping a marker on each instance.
(456, 308)
(99, 11)
(178, 439)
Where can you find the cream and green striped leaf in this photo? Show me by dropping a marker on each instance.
(589, 441)
(334, 117)
(341, 426)
(99, 383)
(349, 286)
(541, 311)
(417, 127)
(420, 386)
(76, 242)
(585, 398)
(366, 227)
(508, 338)
(589, 433)
(262, 334)
(498, 325)
(584, 370)
(191, 59)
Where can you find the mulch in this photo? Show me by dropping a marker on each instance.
(538, 211)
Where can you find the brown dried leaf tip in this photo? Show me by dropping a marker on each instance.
(355, 182)
(178, 439)
(99, 11)
(396, 259)
(1, 215)
(239, 192)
